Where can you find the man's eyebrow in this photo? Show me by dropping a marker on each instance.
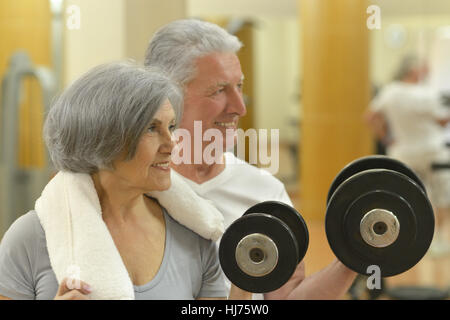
(215, 85)
(224, 83)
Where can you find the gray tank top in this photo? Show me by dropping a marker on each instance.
(190, 268)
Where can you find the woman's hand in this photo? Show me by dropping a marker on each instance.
(68, 291)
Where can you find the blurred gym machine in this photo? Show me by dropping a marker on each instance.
(20, 186)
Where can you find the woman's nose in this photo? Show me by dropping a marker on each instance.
(169, 142)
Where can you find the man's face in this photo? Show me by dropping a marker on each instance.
(214, 96)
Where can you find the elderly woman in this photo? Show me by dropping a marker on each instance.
(114, 125)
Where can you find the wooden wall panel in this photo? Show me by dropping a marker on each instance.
(25, 25)
(335, 94)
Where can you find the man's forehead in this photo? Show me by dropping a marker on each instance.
(219, 83)
(219, 67)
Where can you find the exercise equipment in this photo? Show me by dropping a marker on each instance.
(20, 187)
(417, 293)
(260, 251)
(378, 213)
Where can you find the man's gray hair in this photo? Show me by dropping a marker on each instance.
(177, 45)
(104, 113)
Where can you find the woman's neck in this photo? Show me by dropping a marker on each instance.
(118, 200)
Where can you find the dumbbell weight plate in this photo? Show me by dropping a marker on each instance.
(372, 162)
(291, 217)
(269, 266)
(392, 192)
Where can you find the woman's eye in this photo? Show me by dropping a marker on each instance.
(152, 128)
(172, 128)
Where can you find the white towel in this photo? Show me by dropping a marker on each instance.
(189, 209)
(78, 239)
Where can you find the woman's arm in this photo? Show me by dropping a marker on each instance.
(17, 259)
(239, 294)
(214, 279)
(235, 294)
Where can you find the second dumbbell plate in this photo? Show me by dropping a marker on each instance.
(274, 233)
(291, 217)
(372, 162)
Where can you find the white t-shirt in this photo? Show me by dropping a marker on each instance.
(238, 187)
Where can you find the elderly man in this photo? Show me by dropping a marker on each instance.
(202, 58)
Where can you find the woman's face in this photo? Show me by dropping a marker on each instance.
(149, 169)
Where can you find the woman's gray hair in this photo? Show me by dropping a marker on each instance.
(105, 112)
(177, 45)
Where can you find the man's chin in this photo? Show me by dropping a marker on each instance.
(231, 139)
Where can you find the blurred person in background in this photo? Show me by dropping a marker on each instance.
(409, 118)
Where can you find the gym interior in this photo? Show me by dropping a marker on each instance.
(313, 71)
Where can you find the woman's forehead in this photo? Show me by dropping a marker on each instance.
(165, 112)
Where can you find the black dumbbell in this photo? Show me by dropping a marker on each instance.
(260, 251)
(378, 213)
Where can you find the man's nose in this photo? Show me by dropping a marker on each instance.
(236, 103)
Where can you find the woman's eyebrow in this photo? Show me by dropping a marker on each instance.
(157, 121)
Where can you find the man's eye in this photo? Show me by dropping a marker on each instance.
(240, 85)
(218, 91)
(172, 128)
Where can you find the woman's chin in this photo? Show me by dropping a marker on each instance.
(161, 186)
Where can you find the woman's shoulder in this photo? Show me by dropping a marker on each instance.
(182, 235)
(25, 231)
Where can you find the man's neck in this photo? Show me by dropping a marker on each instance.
(200, 173)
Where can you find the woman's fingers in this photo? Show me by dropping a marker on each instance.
(73, 289)
(73, 295)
